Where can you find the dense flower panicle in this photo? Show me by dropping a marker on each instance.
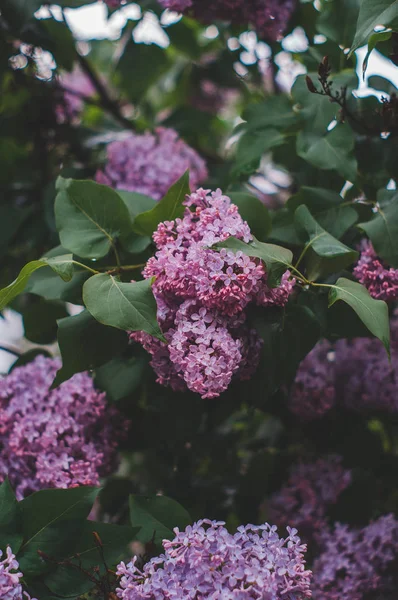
(206, 561)
(311, 489)
(366, 380)
(10, 585)
(76, 85)
(358, 563)
(55, 438)
(268, 17)
(378, 278)
(151, 163)
(313, 393)
(202, 295)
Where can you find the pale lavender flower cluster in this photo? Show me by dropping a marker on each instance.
(59, 438)
(268, 17)
(380, 280)
(10, 586)
(206, 561)
(313, 392)
(202, 295)
(312, 488)
(150, 163)
(76, 86)
(358, 563)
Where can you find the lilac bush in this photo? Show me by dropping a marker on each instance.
(312, 488)
(358, 563)
(380, 279)
(10, 585)
(60, 438)
(206, 561)
(150, 163)
(202, 295)
(268, 17)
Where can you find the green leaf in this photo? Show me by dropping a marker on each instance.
(276, 111)
(40, 321)
(331, 151)
(90, 217)
(321, 242)
(136, 204)
(375, 38)
(61, 43)
(337, 21)
(67, 582)
(19, 12)
(374, 13)
(169, 208)
(373, 313)
(276, 258)
(127, 306)
(120, 377)
(254, 212)
(10, 519)
(383, 231)
(140, 67)
(251, 147)
(157, 516)
(85, 344)
(51, 520)
(62, 265)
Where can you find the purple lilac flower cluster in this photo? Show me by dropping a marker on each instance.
(202, 295)
(375, 275)
(358, 563)
(150, 163)
(55, 438)
(76, 85)
(10, 586)
(268, 17)
(311, 489)
(313, 392)
(206, 561)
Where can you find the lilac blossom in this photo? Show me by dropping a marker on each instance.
(305, 499)
(313, 393)
(10, 584)
(206, 561)
(268, 17)
(202, 295)
(75, 87)
(59, 438)
(380, 279)
(151, 163)
(358, 563)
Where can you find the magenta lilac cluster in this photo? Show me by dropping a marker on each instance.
(76, 86)
(59, 438)
(380, 279)
(206, 561)
(202, 295)
(268, 17)
(312, 488)
(150, 163)
(10, 584)
(313, 393)
(358, 564)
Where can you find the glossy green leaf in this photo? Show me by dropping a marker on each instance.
(85, 344)
(40, 321)
(254, 212)
(276, 258)
(170, 207)
(51, 520)
(373, 313)
(157, 516)
(321, 242)
(383, 231)
(10, 519)
(127, 306)
(62, 265)
(121, 376)
(251, 147)
(90, 217)
(374, 13)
